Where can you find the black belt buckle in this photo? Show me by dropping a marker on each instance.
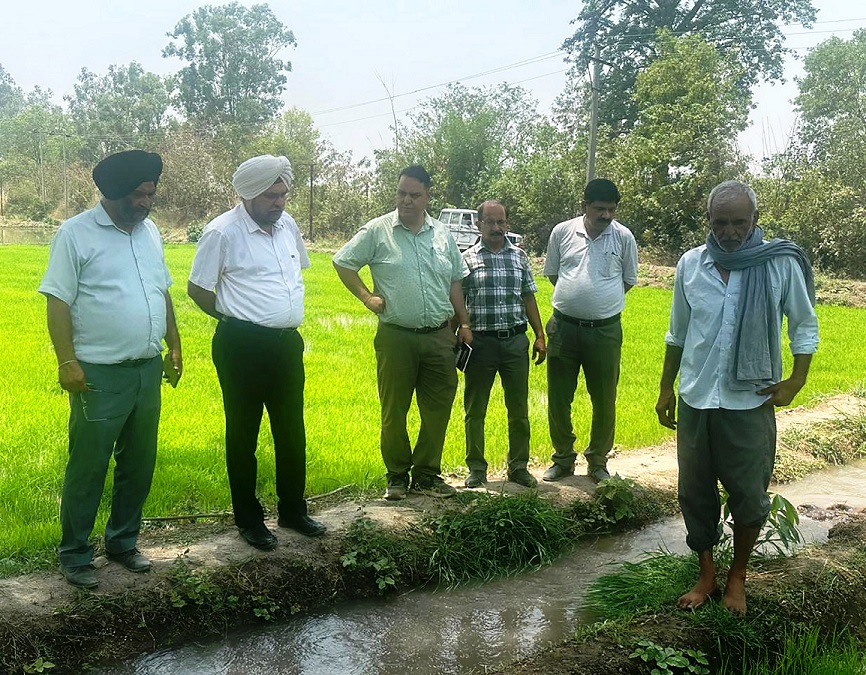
(505, 333)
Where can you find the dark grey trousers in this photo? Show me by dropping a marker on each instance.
(734, 447)
(571, 348)
(509, 358)
(118, 416)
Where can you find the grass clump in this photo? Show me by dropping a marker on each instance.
(805, 651)
(497, 535)
(490, 536)
(836, 441)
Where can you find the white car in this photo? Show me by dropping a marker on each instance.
(464, 228)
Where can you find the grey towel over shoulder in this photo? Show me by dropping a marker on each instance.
(757, 359)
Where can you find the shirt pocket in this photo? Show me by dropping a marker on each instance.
(607, 265)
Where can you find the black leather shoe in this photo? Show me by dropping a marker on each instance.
(133, 560)
(260, 537)
(598, 474)
(82, 576)
(558, 472)
(522, 477)
(303, 524)
(476, 478)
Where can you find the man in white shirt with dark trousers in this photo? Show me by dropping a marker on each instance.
(247, 274)
(592, 263)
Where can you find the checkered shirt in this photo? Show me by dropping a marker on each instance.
(495, 285)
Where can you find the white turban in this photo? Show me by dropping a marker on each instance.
(258, 174)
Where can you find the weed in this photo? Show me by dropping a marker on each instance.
(668, 661)
(372, 550)
(780, 533)
(264, 607)
(616, 496)
(196, 587)
(40, 665)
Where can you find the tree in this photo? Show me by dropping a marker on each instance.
(691, 103)
(626, 32)
(545, 187)
(234, 75)
(124, 108)
(11, 96)
(466, 137)
(832, 105)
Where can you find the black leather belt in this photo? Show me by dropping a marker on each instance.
(503, 334)
(586, 323)
(132, 363)
(425, 329)
(255, 327)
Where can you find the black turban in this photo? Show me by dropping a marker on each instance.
(119, 175)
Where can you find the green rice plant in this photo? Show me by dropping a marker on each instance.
(341, 411)
(650, 584)
(804, 651)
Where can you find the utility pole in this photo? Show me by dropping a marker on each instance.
(65, 177)
(593, 117)
(38, 134)
(312, 171)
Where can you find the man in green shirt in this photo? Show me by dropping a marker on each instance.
(417, 272)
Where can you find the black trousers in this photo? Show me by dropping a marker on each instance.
(262, 368)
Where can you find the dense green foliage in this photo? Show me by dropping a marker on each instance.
(625, 35)
(675, 90)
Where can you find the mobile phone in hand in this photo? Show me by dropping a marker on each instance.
(463, 354)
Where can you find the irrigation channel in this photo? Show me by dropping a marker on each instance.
(427, 632)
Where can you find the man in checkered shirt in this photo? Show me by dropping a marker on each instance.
(500, 299)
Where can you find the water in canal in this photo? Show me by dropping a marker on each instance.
(427, 632)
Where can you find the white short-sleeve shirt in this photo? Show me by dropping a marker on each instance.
(256, 276)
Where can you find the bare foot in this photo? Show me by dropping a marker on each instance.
(735, 595)
(699, 594)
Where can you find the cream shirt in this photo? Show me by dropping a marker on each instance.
(591, 272)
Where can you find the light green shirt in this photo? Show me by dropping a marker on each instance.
(412, 272)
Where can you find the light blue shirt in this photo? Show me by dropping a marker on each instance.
(703, 318)
(412, 272)
(114, 283)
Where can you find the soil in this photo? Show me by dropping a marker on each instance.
(42, 615)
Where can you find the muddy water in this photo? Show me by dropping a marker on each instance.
(466, 629)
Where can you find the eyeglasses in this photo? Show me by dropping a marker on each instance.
(490, 222)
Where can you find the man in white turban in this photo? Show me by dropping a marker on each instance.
(247, 275)
(259, 173)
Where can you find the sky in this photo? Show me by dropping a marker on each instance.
(352, 55)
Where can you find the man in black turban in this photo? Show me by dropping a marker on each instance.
(109, 311)
(128, 182)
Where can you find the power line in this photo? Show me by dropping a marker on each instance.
(518, 64)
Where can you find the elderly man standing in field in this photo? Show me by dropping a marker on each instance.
(592, 263)
(416, 269)
(108, 312)
(247, 274)
(725, 341)
(500, 299)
